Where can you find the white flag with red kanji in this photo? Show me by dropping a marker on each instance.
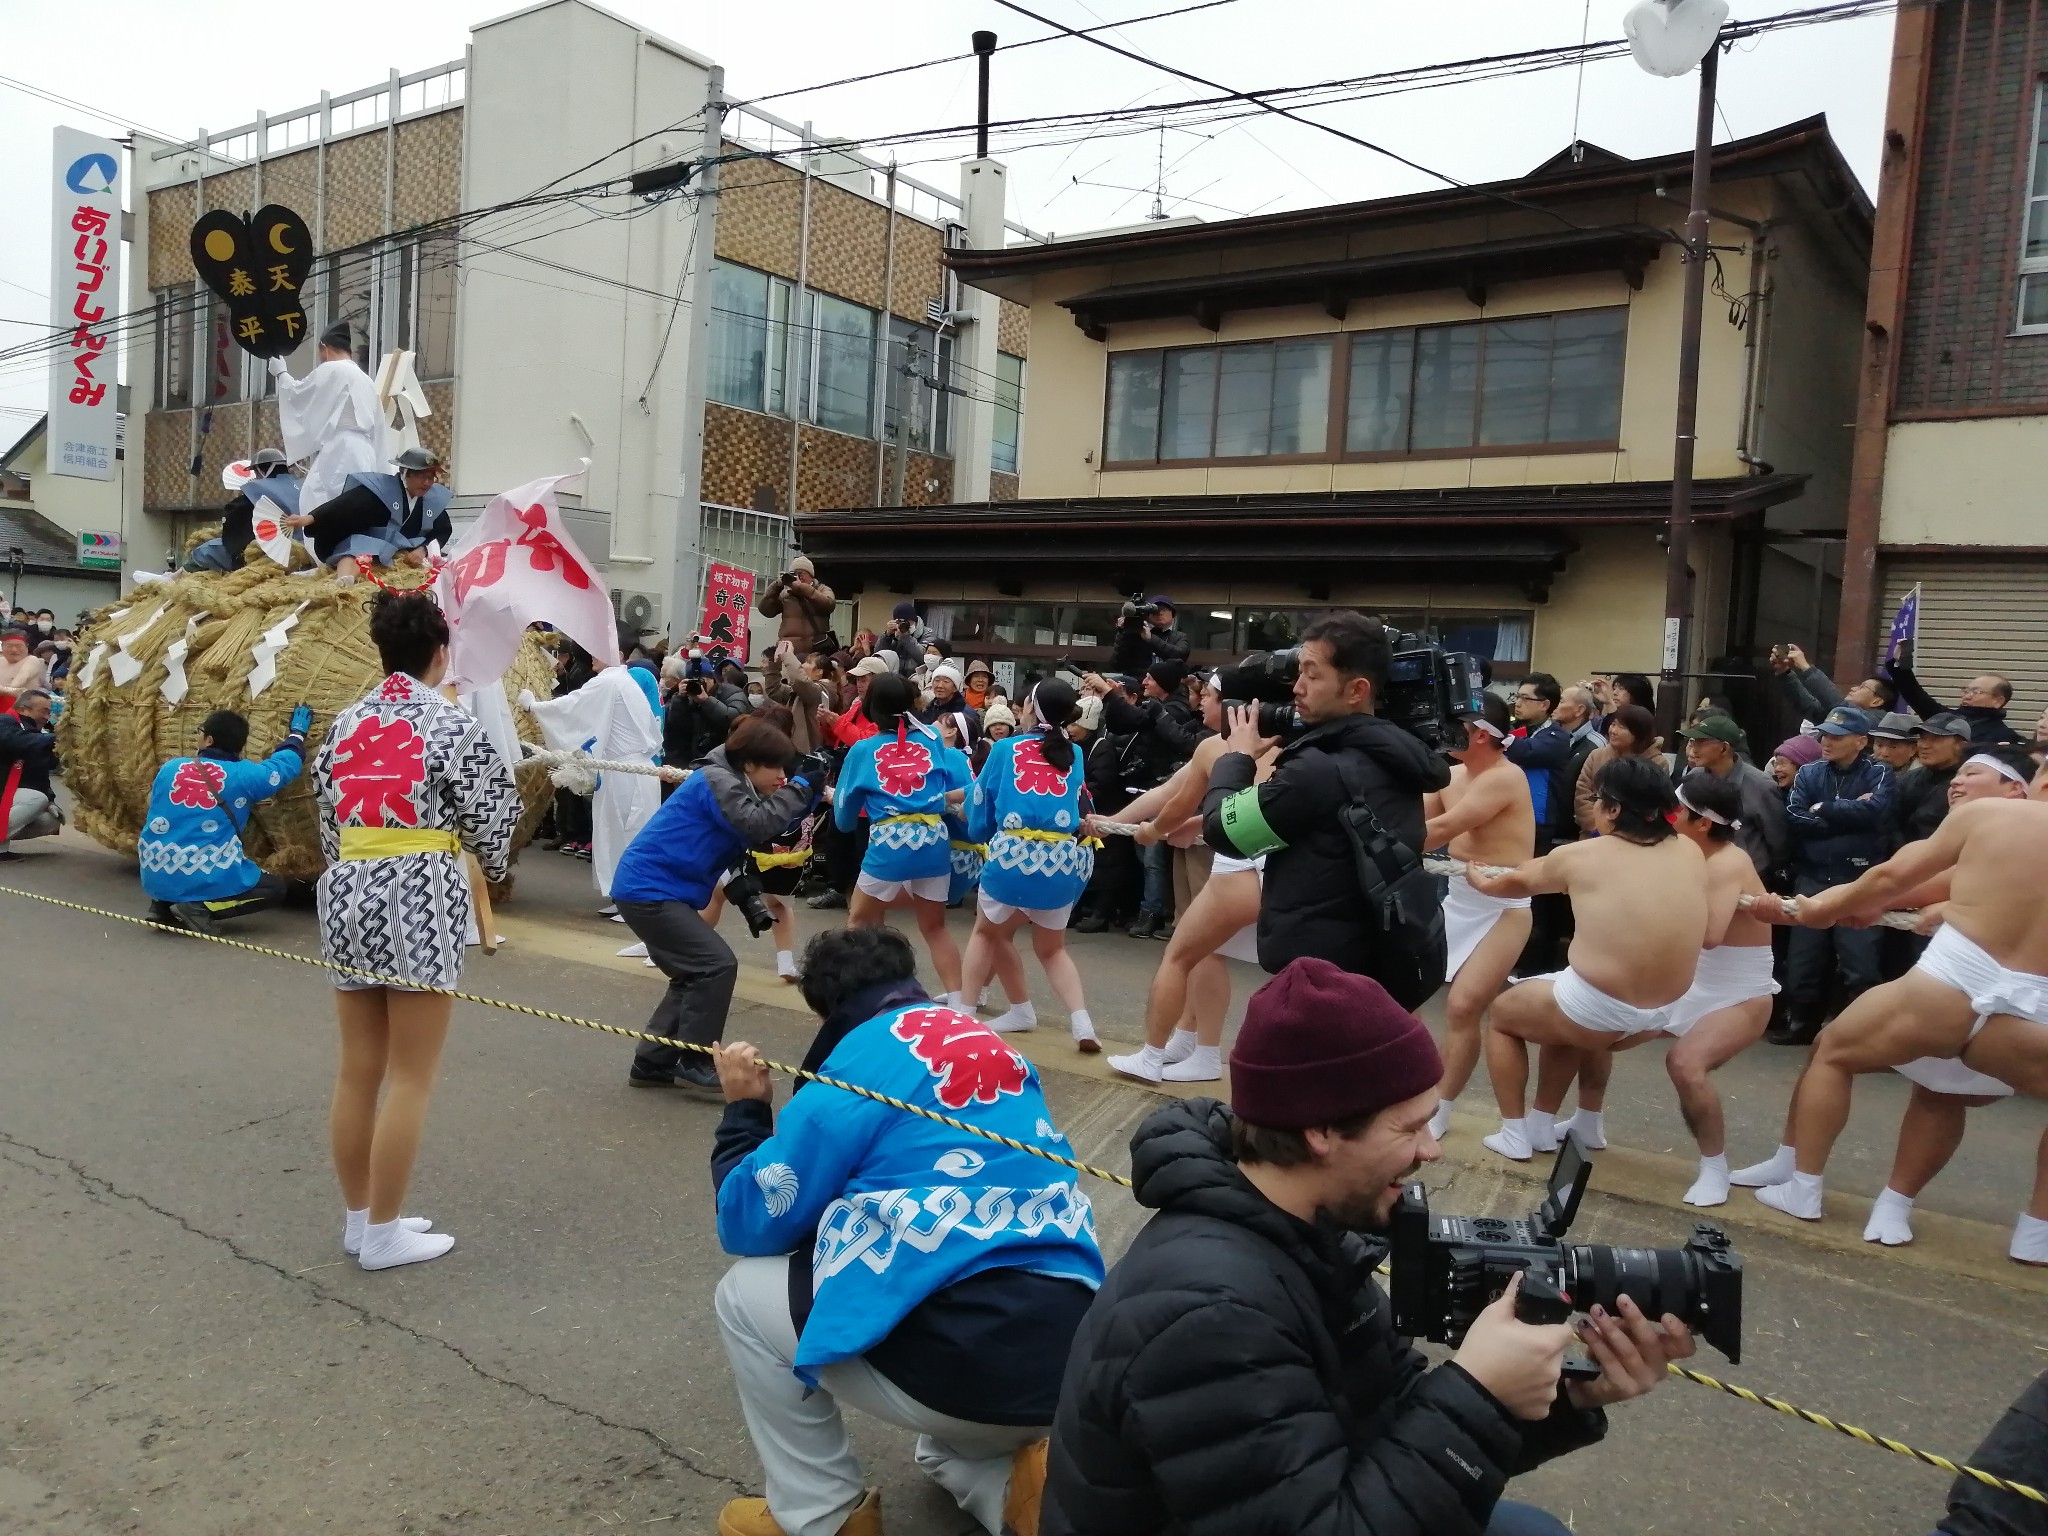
(266, 520)
(517, 565)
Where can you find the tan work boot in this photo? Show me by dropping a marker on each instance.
(750, 1517)
(1027, 1489)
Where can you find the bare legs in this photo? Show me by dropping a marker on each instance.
(989, 948)
(866, 912)
(390, 1041)
(1477, 984)
(1528, 1015)
(1708, 1046)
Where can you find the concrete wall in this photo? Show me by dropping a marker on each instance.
(1965, 482)
(554, 369)
(1810, 334)
(66, 596)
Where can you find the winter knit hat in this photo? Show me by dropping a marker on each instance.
(1169, 675)
(979, 666)
(998, 713)
(905, 610)
(1798, 750)
(1090, 718)
(1319, 1045)
(950, 669)
(803, 563)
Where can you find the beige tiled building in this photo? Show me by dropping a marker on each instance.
(546, 334)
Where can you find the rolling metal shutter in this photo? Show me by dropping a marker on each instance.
(1978, 616)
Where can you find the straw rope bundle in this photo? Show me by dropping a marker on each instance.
(113, 736)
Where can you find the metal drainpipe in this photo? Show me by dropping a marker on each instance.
(1756, 310)
(882, 350)
(796, 327)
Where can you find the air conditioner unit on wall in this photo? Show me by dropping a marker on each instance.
(641, 611)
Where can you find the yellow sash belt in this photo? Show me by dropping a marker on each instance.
(910, 818)
(395, 842)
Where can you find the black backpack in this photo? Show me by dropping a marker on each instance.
(1403, 902)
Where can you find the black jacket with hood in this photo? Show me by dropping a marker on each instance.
(1312, 903)
(1239, 1375)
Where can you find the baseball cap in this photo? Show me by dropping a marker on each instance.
(1947, 723)
(1714, 728)
(872, 666)
(1896, 726)
(1846, 720)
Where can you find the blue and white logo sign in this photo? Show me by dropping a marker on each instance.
(93, 173)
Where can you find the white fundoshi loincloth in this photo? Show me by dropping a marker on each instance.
(1728, 975)
(1590, 1008)
(1956, 960)
(1243, 944)
(1469, 916)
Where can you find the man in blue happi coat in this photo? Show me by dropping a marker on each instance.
(930, 1277)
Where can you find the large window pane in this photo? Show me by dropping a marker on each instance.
(1376, 415)
(739, 336)
(1301, 397)
(433, 305)
(1517, 378)
(1587, 352)
(1244, 402)
(1188, 404)
(843, 357)
(351, 296)
(2034, 300)
(1446, 380)
(1133, 407)
(1009, 412)
(174, 349)
(221, 365)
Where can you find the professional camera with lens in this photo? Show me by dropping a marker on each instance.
(1447, 1268)
(1137, 607)
(744, 892)
(1428, 688)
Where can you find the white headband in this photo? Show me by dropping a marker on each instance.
(1714, 816)
(1481, 723)
(2003, 770)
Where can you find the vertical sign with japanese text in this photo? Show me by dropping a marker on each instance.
(85, 301)
(728, 595)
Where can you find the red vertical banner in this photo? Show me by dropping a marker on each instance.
(728, 596)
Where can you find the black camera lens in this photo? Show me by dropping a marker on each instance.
(1278, 719)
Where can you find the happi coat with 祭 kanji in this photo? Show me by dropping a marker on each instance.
(191, 843)
(900, 779)
(1028, 814)
(895, 1207)
(609, 717)
(406, 760)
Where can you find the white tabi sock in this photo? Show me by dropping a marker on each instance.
(1180, 1045)
(1798, 1196)
(352, 1228)
(388, 1245)
(1511, 1140)
(1147, 1064)
(785, 962)
(1540, 1126)
(1083, 1029)
(1586, 1125)
(1016, 1019)
(1440, 1122)
(1775, 1169)
(1891, 1219)
(949, 999)
(1711, 1187)
(2030, 1240)
(1203, 1065)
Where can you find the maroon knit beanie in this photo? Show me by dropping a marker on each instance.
(1320, 1045)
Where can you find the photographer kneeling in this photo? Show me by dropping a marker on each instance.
(932, 1279)
(737, 799)
(1347, 756)
(1239, 1370)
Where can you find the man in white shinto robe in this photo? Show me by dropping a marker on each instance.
(608, 717)
(330, 417)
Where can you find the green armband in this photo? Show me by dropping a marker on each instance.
(1244, 823)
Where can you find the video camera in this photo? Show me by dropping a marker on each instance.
(1137, 606)
(1428, 688)
(1446, 1269)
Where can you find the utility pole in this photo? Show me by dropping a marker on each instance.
(686, 580)
(906, 374)
(1668, 37)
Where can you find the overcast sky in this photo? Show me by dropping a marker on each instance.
(215, 63)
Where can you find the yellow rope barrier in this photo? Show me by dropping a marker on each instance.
(1699, 1378)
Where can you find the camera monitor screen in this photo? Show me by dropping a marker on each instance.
(1568, 1179)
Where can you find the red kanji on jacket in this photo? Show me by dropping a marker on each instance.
(902, 766)
(1035, 776)
(377, 767)
(971, 1062)
(197, 784)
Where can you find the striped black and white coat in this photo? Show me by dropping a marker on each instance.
(408, 759)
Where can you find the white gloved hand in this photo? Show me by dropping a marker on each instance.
(275, 365)
(526, 698)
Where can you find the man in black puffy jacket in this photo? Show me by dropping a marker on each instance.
(1312, 903)
(1239, 1371)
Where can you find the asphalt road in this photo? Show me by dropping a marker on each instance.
(183, 1349)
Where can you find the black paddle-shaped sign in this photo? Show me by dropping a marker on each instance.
(258, 267)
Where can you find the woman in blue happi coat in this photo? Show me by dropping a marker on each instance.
(1028, 806)
(904, 778)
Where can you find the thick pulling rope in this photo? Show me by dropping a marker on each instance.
(1881, 1442)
